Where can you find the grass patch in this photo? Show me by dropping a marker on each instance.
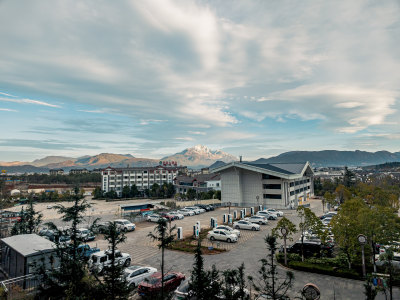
(189, 245)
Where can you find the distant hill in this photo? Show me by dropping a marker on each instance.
(50, 160)
(334, 158)
(391, 166)
(200, 156)
(24, 169)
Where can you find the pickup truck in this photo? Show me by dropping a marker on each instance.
(101, 259)
(85, 250)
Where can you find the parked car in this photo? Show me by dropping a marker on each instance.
(380, 260)
(222, 235)
(242, 224)
(328, 214)
(125, 225)
(49, 206)
(54, 236)
(197, 210)
(204, 206)
(258, 220)
(152, 285)
(102, 226)
(176, 215)
(85, 250)
(85, 234)
(268, 215)
(101, 259)
(153, 218)
(186, 212)
(279, 213)
(136, 274)
(167, 216)
(230, 229)
(311, 248)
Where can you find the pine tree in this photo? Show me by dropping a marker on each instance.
(269, 282)
(114, 285)
(164, 236)
(29, 221)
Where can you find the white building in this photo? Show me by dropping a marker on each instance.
(275, 185)
(143, 177)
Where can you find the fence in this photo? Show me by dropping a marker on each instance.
(20, 287)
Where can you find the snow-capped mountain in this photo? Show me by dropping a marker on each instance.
(200, 156)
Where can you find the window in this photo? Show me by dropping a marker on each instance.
(272, 196)
(291, 193)
(291, 184)
(266, 176)
(272, 186)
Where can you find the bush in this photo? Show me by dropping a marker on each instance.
(308, 266)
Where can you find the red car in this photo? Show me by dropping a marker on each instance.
(152, 285)
(167, 216)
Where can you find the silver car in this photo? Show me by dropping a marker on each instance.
(222, 235)
(136, 274)
(242, 224)
(230, 229)
(258, 220)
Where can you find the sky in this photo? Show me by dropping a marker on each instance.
(151, 78)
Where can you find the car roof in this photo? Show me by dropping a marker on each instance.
(122, 220)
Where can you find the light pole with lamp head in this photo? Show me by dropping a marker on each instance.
(362, 239)
(284, 232)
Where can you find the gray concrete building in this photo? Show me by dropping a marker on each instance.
(21, 252)
(275, 185)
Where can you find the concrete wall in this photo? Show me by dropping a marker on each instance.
(251, 184)
(230, 186)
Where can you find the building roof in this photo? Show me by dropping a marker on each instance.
(283, 170)
(29, 244)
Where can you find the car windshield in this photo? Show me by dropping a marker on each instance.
(153, 280)
(85, 231)
(126, 222)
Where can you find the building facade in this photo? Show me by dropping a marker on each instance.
(56, 172)
(79, 171)
(275, 185)
(200, 183)
(143, 177)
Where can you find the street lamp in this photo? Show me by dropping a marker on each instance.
(284, 232)
(362, 239)
(257, 198)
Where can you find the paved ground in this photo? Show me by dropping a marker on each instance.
(250, 249)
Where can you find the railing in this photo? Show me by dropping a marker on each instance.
(17, 288)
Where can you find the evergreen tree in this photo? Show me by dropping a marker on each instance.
(29, 221)
(126, 191)
(164, 236)
(114, 285)
(269, 283)
(71, 280)
(134, 192)
(203, 285)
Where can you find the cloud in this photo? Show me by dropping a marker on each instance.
(8, 109)
(29, 101)
(197, 132)
(184, 138)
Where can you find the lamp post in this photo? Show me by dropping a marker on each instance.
(257, 198)
(284, 232)
(362, 239)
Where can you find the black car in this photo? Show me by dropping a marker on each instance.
(311, 248)
(203, 206)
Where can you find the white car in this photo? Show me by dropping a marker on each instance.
(268, 215)
(275, 212)
(222, 235)
(153, 218)
(230, 229)
(177, 215)
(136, 274)
(242, 224)
(186, 212)
(99, 260)
(195, 209)
(125, 225)
(258, 220)
(85, 234)
(379, 260)
(49, 206)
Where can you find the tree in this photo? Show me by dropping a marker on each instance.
(29, 222)
(234, 284)
(270, 283)
(114, 284)
(342, 193)
(309, 222)
(71, 280)
(349, 178)
(164, 236)
(346, 228)
(284, 223)
(191, 194)
(97, 193)
(203, 285)
(328, 198)
(134, 192)
(126, 191)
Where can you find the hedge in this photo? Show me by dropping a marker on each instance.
(323, 269)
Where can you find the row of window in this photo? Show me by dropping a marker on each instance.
(272, 196)
(272, 186)
(299, 190)
(295, 183)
